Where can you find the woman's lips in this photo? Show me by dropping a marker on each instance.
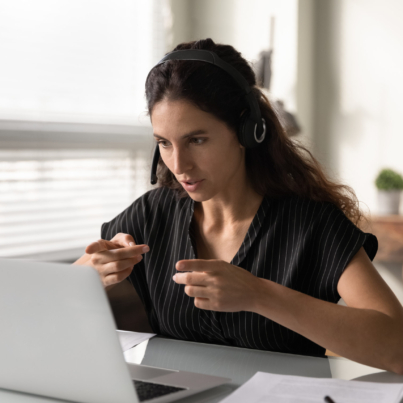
(192, 187)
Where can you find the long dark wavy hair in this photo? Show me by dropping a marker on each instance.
(278, 167)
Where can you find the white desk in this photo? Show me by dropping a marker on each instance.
(236, 363)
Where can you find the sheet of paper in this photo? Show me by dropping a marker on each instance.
(271, 388)
(131, 339)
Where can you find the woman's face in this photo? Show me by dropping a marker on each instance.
(196, 146)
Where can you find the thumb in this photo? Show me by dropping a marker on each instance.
(100, 246)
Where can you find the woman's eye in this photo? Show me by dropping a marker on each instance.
(198, 141)
(195, 141)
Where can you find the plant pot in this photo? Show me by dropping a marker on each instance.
(388, 202)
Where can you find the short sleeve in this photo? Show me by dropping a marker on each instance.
(334, 242)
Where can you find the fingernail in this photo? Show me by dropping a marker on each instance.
(180, 266)
(145, 249)
(173, 278)
(131, 244)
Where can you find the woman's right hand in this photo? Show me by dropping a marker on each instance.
(114, 260)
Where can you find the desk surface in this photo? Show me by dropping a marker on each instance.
(239, 364)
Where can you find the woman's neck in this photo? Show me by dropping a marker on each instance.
(220, 214)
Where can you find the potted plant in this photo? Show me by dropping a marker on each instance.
(390, 185)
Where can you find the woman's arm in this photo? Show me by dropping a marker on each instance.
(369, 330)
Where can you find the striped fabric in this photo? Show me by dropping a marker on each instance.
(301, 244)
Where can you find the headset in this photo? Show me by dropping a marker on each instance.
(251, 121)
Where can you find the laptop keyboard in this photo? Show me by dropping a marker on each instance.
(147, 390)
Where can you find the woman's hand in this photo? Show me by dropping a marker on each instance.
(217, 285)
(114, 260)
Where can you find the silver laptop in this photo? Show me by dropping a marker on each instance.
(58, 339)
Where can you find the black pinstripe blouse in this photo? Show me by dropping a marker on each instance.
(301, 244)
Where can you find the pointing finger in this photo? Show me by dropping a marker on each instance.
(196, 265)
(125, 253)
(100, 246)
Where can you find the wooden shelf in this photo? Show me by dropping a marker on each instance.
(389, 231)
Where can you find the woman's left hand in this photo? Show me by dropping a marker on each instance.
(217, 285)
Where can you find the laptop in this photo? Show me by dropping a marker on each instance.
(58, 339)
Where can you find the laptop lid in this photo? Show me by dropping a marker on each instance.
(57, 334)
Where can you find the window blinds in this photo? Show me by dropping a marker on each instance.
(54, 201)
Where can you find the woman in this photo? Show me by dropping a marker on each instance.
(259, 250)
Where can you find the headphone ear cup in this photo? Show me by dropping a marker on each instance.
(246, 131)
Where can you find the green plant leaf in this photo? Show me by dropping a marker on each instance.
(389, 180)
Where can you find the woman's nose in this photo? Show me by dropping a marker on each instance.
(181, 161)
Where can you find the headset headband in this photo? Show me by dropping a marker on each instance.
(212, 58)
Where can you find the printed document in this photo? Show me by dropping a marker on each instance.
(270, 388)
(131, 339)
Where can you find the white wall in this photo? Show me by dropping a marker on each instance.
(359, 87)
(181, 25)
(252, 33)
(305, 69)
(245, 24)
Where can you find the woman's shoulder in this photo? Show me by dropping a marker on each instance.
(306, 213)
(159, 196)
(161, 199)
(157, 204)
(321, 223)
(297, 206)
